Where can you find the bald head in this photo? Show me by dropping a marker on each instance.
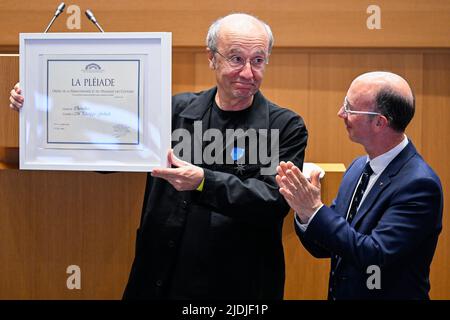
(386, 93)
(379, 80)
(236, 25)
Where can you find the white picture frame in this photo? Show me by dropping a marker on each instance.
(95, 101)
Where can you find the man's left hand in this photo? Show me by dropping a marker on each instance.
(184, 177)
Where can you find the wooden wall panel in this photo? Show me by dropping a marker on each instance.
(9, 75)
(50, 220)
(330, 77)
(306, 276)
(436, 151)
(296, 23)
(183, 71)
(204, 76)
(286, 81)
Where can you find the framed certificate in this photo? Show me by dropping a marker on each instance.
(95, 101)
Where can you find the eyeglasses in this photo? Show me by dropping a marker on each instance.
(347, 110)
(238, 62)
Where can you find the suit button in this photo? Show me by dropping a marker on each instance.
(171, 244)
(159, 283)
(332, 273)
(184, 204)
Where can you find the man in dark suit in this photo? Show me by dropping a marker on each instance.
(382, 229)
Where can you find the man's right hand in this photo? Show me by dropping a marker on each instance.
(16, 98)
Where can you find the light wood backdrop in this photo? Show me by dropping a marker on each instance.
(296, 23)
(50, 220)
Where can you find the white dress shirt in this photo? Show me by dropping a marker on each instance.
(378, 165)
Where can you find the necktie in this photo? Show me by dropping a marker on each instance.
(362, 185)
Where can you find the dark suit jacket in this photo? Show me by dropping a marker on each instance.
(396, 228)
(226, 241)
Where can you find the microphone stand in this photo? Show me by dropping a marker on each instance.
(59, 10)
(91, 17)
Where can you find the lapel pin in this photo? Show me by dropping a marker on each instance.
(240, 168)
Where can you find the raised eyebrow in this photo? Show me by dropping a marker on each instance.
(234, 51)
(261, 52)
(239, 51)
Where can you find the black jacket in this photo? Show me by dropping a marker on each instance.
(225, 241)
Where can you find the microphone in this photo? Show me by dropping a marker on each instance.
(58, 11)
(91, 17)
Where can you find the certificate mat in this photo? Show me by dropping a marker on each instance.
(95, 101)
